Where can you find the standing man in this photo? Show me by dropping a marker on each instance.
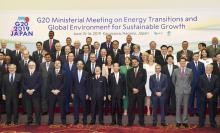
(214, 48)
(170, 100)
(37, 55)
(158, 84)
(182, 78)
(44, 71)
(107, 44)
(11, 92)
(117, 90)
(56, 80)
(80, 92)
(209, 84)
(49, 45)
(31, 86)
(97, 93)
(69, 67)
(198, 69)
(136, 80)
(188, 53)
(128, 44)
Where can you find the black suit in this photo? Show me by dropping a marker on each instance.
(157, 55)
(109, 48)
(101, 61)
(23, 67)
(76, 54)
(16, 57)
(46, 45)
(32, 101)
(97, 92)
(189, 55)
(137, 82)
(125, 44)
(121, 59)
(12, 89)
(63, 49)
(81, 57)
(170, 101)
(37, 58)
(7, 52)
(115, 55)
(117, 91)
(56, 81)
(206, 86)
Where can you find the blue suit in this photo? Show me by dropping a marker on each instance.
(80, 90)
(158, 86)
(68, 83)
(196, 91)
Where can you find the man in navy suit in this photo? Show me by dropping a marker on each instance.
(31, 86)
(97, 94)
(107, 44)
(122, 57)
(49, 45)
(158, 84)
(209, 85)
(56, 81)
(85, 55)
(80, 92)
(117, 90)
(69, 68)
(128, 44)
(11, 93)
(197, 69)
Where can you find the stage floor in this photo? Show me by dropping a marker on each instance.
(57, 128)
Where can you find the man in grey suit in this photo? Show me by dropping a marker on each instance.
(214, 48)
(44, 69)
(182, 78)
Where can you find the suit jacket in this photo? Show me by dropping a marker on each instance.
(182, 84)
(125, 44)
(22, 68)
(216, 70)
(81, 57)
(117, 90)
(8, 51)
(196, 73)
(100, 62)
(12, 90)
(189, 55)
(115, 57)
(88, 68)
(37, 58)
(15, 57)
(79, 52)
(212, 51)
(138, 82)
(160, 86)
(69, 73)
(121, 59)
(56, 81)
(80, 87)
(63, 49)
(157, 52)
(43, 70)
(209, 86)
(104, 46)
(46, 45)
(32, 82)
(98, 87)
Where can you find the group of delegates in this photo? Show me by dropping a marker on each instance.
(97, 77)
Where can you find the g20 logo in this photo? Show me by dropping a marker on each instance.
(21, 27)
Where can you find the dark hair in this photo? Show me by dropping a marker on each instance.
(183, 58)
(39, 43)
(195, 53)
(163, 46)
(71, 53)
(185, 42)
(88, 37)
(205, 51)
(48, 54)
(115, 41)
(135, 58)
(170, 47)
(51, 31)
(85, 46)
(169, 56)
(203, 44)
(2, 53)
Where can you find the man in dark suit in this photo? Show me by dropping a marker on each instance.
(97, 93)
(115, 51)
(64, 58)
(4, 48)
(44, 69)
(37, 54)
(80, 92)
(209, 84)
(158, 84)
(11, 92)
(170, 100)
(162, 59)
(198, 69)
(68, 43)
(185, 50)
(31, 87)
(56, 55)
(49, 45)
(76, 49)
(155, 52)
(96, 50)
(91, 64)
(128, 43)
(85, 55)
(23, 64)
(107, 44)
(89, 43)
(122, 57)
(56, 81)
(136, 80)
(16, 54)
(103, 58)
(69, 68)
(117, 91)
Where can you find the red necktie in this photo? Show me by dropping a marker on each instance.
(51, 43)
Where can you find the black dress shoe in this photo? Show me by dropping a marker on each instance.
(84, 123)
(129, 124)
(44, 113)
(29, 123)
(185, 125)
(76, 122)
(178, 124)
(113, 123)
(142, 124)
(16, 123)
(101, 123)
(197, 114)
(92, 123)
(200, 125)
(7, 123)
(164, 124)
(154, 124)
(120, 123)
(49, 123)
(213, 125)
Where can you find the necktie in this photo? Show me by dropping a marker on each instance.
(153, 53)
(79, 75)
(219, 67)
(97, 77)
(70, 65)
(76, 52)
(158, 79)
(47, 65)
(196, 63)
(85, 58)
(116, 77)
(16, 52)
(51, 43)
(182, 73)
(209, 77)
(135, 72)
(12, 79)
(93, 67)
(103, 60)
